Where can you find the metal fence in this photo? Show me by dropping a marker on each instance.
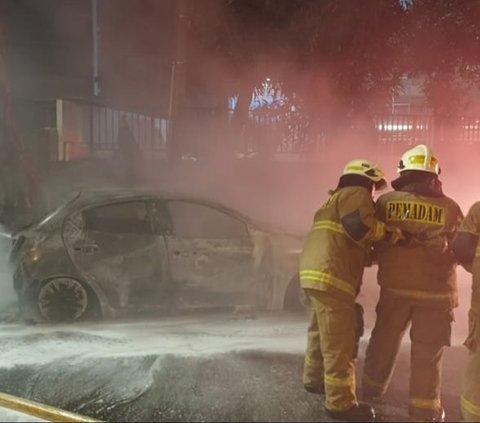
(149, 132)
(469, 130)
(290, 137)
(405, 129)
(92, 130)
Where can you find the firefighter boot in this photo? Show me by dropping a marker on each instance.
(319, 390)
(438, 417)
(358, 413)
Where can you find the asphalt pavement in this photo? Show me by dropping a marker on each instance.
(221, 367)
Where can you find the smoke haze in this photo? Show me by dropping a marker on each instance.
(285, 191)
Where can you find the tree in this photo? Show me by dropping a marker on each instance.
(345, 53)
(442, 39)
(351, 52)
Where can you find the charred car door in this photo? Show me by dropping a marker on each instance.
(210, 256)
(115, 245)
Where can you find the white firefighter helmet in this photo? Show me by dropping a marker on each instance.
(367, 169)
(421, 158)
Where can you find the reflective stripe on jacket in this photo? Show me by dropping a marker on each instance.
(331, 259)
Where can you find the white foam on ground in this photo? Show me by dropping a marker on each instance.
(203, 335)
(186, 336)
(7, 415)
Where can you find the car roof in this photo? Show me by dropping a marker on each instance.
(94, 196)
(97, 197)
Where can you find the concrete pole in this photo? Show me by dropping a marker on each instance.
(177, 79)
(95, 31)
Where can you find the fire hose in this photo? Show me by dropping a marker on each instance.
(39, 410)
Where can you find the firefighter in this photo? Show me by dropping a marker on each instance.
(331, 269)
(467, 249)
(418, 283)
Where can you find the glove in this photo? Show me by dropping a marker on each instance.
(393, 235)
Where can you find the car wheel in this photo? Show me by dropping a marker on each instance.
(62, 299)
(295, 298)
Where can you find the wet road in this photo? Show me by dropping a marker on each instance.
(218, 367)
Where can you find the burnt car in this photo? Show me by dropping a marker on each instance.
(104, 254)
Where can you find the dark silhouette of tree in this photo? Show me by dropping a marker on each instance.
(351, 52)
(442, 39)
(347, 50)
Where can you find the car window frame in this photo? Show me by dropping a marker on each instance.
(148, 204)
(231, 213)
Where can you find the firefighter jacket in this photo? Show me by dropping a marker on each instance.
(467, 249)
(466, 246)
(423, 268)
(339, 241)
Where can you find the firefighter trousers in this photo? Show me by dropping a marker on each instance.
(430, 332)
(331, 342)
(470, 398)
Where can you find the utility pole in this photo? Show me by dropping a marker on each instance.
(177, 79)
(95, 31)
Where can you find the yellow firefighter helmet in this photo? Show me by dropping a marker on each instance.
(421, 158)
(367, 169)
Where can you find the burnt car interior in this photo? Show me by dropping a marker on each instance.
(132, 217)
(178, 252)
